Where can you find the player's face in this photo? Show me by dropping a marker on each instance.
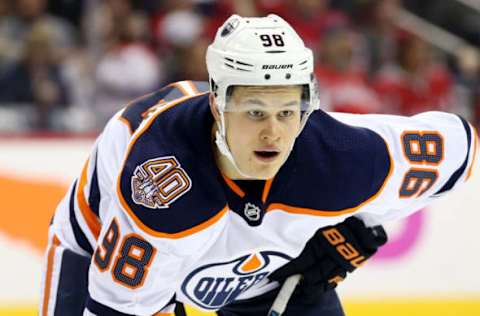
(261, 126)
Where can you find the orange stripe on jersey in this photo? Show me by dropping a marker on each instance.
(179, 86)
(475, 149)
(48, 277)
(184, 233)
(193, 87)
(235, 188)
(89, 216)
(308, 211)
(126, 122)
(266, 189)
(139, 98)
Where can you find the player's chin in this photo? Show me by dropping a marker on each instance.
(265, 171)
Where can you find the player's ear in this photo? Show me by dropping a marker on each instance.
(214, 107)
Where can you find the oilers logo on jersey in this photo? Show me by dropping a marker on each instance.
(215, 285)
(158, 182)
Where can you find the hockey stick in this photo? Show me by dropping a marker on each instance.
(280, 303)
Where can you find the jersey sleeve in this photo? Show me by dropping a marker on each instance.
(77, 223)
(78, 217)
(431, 154)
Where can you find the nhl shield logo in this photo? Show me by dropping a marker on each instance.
(251, 211)
(158, 182)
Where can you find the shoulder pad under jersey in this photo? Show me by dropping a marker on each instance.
(334, 169)
(138, 109)
(169, 183)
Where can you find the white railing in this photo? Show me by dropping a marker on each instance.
(473, 4)
(431, 33)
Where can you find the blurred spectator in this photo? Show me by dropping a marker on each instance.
(219, 10)
(190, 61)
(25, 14)
(128, 67)
(7, 52)
(342, 79)
(105, 23)
(377, 23)
(416, 82)
(36, 79)
(179, 32)
(5, 7)
(69, 10)
(79, 70)
(181, 26)
(468, 79)
(476, 112)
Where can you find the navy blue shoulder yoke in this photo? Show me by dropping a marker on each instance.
(333, 168)
(169, 183)
(138, 109)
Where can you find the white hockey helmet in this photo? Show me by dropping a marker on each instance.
(263, 51)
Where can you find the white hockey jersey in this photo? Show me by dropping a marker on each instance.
(161, 222)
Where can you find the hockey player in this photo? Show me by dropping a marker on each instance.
(211, 195)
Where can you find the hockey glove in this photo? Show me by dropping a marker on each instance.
(329, 255)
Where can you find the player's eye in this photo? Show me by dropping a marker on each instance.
(286, 114)
(256, 114)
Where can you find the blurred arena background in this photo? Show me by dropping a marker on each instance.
(67, 65)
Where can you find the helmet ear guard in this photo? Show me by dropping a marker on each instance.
(262, 51)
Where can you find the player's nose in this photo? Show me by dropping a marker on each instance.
(271, 130)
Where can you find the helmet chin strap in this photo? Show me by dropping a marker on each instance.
(221, 142)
